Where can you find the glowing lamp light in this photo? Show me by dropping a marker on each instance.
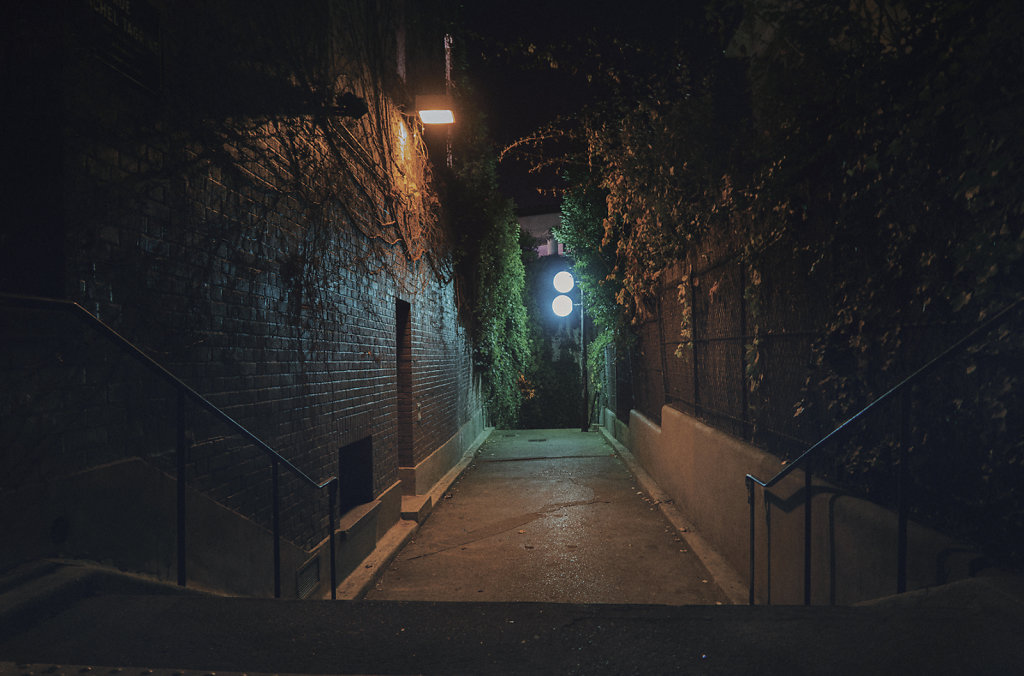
(435, 109)
(437, 117)
(564, 282)
(562, 305)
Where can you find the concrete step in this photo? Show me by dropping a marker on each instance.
(973, 627)
(21, 669)
(36, 591)
(416, 507)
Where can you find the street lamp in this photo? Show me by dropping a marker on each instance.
(562, 306)
(435, 109)
(564, 281)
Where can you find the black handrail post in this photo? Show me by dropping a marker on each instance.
(185, 393)
(904, 484)
(750, 573)
(332, 491)
(277, 529)
(901, 493)
(807, 533)
(693, 339)
(182, 451)
(768, 547)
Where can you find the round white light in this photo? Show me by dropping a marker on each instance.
(562, 306)
(564, 282)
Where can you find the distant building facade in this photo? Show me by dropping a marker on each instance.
(539, 226)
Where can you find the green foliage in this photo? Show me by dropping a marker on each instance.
(836, 155)
(489, 270)
(868, 152)
(553, 398)
(885, 150)
(596, 359)
(551, 385)
(502, 347)
(582, 231)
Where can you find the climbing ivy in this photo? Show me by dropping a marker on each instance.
(501, 344)
(868, 151)
(581, 230)
(490, 275)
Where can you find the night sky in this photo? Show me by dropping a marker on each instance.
(518, 95)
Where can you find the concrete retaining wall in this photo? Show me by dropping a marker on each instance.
(418, 480)
(853, 549)
(124, 515)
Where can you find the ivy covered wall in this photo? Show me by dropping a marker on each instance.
(251, 210)
(806, 202)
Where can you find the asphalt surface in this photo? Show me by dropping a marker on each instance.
(138, 634)
(548, 516)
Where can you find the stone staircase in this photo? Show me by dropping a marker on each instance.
(66, 617)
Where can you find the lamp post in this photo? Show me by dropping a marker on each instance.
(562, 306)
(436, 109)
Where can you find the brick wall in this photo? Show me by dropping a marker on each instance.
(217, 262)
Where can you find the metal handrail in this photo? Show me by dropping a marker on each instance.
(185, 391)
(805, 457)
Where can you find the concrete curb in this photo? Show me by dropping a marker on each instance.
(727, 579)
(362, 579)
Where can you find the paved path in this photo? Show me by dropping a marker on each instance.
(548, 516)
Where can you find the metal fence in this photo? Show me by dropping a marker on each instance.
(711, 376)
(748, 370)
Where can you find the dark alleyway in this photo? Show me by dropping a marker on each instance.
(548, 516)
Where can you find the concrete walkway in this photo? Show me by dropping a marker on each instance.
(548, 516)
